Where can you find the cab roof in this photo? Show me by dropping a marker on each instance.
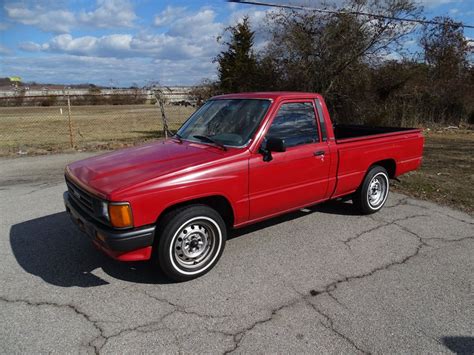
(273, 95)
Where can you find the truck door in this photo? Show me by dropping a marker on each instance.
(297, 177)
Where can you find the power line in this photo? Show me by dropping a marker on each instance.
(357, 13)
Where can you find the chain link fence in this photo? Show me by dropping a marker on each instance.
(52, 123)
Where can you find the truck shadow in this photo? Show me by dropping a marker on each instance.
(53, 249)
(341, 208)
(459, 345)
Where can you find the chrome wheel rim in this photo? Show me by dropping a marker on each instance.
(195, 243)
(377, 190)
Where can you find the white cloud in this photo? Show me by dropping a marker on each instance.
(30, 46)
(195, 25)
(105, 46)
(109, 14)
(159, 46)
(178, 50)
(198, 31)
(164, 46)
(189, 35)
(470, 43)
(168, 15)
(68, 69)
(58, 21)
(256, 17)
(392, 56)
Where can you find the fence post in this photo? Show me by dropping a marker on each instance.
(71, 133)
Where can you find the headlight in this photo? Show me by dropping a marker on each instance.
(120, 215)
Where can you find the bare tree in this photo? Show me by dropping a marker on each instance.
(158, 92)
(360, 62)
(445, 48)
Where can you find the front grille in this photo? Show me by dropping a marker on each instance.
(81, 197)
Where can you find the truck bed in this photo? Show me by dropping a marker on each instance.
(399, 149)
(344, 133)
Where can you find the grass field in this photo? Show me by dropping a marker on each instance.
(446, 175)
(447, 172)
(37, 130)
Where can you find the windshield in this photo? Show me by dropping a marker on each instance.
(229, 122)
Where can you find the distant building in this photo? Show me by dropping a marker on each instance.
(173, 94)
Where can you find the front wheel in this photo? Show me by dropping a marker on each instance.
(372, 194)
(191, 241)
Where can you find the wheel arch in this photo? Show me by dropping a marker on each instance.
(388, 164)
(217, 202)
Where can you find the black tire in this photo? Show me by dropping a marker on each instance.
(183, 234)
(369, 204)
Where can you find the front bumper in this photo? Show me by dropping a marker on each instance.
(125, 245)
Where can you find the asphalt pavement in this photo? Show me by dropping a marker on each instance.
(322, 280)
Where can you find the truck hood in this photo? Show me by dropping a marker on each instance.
(110, 172)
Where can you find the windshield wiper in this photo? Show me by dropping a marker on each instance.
(210, 140)
(178, 137)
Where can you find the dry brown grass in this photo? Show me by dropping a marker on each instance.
(39, 129)
(446, 175)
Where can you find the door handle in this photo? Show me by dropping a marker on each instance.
(319, 153)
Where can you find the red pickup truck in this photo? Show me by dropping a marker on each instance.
(239, 159)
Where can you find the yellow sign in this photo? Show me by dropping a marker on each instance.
(15, 78)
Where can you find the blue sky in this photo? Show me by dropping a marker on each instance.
(123, 42)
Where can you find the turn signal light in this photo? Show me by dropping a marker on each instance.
(120, 215)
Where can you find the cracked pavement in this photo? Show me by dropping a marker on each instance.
(320, 280)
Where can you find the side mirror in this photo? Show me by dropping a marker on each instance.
(272, 145)
(276, 145)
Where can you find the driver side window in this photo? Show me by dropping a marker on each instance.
(295, 123)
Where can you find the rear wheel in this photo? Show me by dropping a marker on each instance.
(191, 241)
(372, 194)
